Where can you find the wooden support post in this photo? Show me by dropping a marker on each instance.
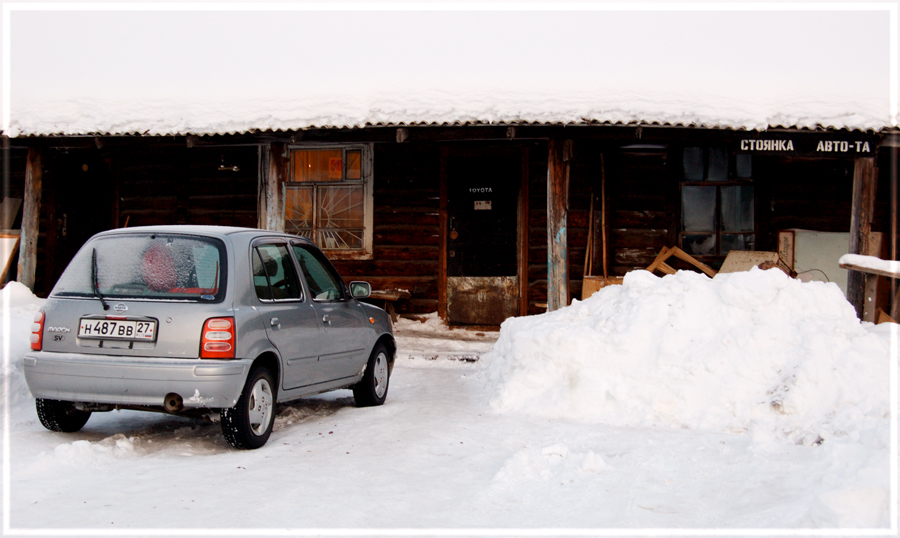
(557, 212)
(895, 303)
(864, 183)
(31, 213)
(273, 169)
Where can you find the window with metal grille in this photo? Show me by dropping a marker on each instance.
(328, 198)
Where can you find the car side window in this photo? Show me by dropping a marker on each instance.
(274, 275)
(323, 284)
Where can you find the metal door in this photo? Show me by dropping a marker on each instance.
(482, 237)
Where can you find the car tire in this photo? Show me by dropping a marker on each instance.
(58, 416)
(248, 424)
(373, 387)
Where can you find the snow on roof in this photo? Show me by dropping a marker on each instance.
(237, 68)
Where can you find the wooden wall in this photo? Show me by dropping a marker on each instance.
(806, 193)
(407, 230)
(175, 184)
(163, 181)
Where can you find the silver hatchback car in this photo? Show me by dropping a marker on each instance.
(196, 320)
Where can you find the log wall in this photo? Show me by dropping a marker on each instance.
(181, 185)
(406, 238)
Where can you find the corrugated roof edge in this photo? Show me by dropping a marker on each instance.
(599, 123)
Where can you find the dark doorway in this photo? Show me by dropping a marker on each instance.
(482, 189)
(79, 192)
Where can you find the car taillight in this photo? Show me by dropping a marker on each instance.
(37, 331)
(217, 340)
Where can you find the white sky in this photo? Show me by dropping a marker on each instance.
(738, 62)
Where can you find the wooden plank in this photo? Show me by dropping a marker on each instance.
(871, 270)
(660, 258)
(443, 235)
(9, 245)
(522, 236)
(863, 209)
(390, 295)
(557, 206)
(667, 252)
(684, 256)
(31, 211)
(9, 208)
(666, 268)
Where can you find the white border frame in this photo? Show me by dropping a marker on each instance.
(890, 7)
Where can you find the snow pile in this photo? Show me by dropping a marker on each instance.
(754, 351)
(19, 306)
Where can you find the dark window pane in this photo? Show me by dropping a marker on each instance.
(323, 284)
(279, 268)
(693, 164)
(260, 281)
(698, 209)
(738, 242)
(744, 166)
(718, 164)
(700, 245)
(737, 209)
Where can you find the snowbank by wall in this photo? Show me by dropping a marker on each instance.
(753, 351)
(19, 305)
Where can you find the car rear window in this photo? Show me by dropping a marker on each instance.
(153, 266)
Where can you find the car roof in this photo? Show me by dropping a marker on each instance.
(192, 229)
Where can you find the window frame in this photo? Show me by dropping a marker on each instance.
(731, 180)
(254, 250)
(366, 181)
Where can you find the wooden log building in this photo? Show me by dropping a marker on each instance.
(477, 221)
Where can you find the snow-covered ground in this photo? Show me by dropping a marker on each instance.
(749, 401)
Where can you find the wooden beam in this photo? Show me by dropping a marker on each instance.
(273, 170)
(31, 213)
(864, 184)
(522, 236)
(895, 305)
(870, 270)
(557, 220)
(444, 231)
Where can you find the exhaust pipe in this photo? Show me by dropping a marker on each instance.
(173, 403)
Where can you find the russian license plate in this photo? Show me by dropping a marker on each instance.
(117, 329)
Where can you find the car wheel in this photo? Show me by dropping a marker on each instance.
(372, 388)
(60, 416)
(248, 424)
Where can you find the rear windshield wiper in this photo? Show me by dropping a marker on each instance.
(94, 281)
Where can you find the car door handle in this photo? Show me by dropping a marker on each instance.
(326, 320)
(275, 323)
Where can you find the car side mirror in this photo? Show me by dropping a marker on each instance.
(360, 290)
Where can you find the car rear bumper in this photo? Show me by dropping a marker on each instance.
(74, 377)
